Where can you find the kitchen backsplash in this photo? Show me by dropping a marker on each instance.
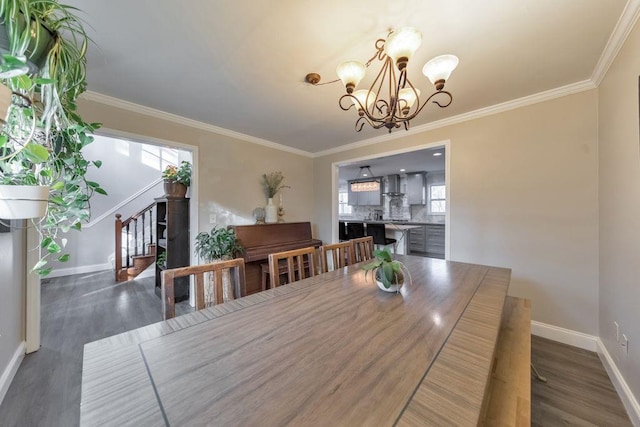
(397, 208)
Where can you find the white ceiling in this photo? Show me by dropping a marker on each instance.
(240, 64)
(414, 161)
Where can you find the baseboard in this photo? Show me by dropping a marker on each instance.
(11, 369)
(593, 343)
(565, 336)
(59, 272)
(626, 395)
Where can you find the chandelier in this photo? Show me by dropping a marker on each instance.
(392, 100)
(362, 184)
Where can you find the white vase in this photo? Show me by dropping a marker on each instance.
(392, 287)
(23, 201)
(271, 212)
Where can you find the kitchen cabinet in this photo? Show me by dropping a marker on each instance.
(172, 231)
(418, 240)
(416, 188)
(365, 198)
(435, 240)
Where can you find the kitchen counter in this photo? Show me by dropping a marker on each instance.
(388, 221)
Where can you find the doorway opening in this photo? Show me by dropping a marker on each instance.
(407, 190)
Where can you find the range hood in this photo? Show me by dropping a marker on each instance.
(393, 186)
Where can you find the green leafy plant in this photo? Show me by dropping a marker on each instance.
(42, 138)
(181, 174)
(220, 243)
(272, 183)
(386, 269)
(162, 259)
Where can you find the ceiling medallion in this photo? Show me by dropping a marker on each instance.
(402, 101)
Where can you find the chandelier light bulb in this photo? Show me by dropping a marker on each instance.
(366, 98)
(407, 97)
(351, 72)
(439, 69)
(402, 44)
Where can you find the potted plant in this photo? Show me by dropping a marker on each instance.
(217, 245)
(177, 179)
(162, 260)
(41, 139)
(272, 183)
(388, 273)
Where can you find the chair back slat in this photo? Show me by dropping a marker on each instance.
(363, 248)
(234, 267)
(296, 262)
(337, 255)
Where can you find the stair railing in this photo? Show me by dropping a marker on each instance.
(135, 239)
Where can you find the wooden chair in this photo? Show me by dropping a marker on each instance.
(234, 267)
(363, 248)
(337, 255)
(297, 264)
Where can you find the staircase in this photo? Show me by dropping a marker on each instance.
(135, 249)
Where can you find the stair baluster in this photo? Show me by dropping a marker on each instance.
(135, 263)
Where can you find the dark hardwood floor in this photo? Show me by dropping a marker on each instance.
(578, 391)
(84, 308)
(75, 310)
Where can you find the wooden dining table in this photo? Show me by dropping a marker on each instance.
(330, 350)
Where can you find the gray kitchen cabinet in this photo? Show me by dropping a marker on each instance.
(416, 188)
(418, 240)
(364, 198)
(435, 240)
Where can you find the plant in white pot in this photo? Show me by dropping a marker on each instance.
(389, 274)
(219, 244)
(42, 72)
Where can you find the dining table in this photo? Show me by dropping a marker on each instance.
(329, 350)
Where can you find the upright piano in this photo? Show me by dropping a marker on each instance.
(260, 240)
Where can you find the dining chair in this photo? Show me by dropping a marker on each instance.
(230, 273)
(336, 255)
(377, 231)
(297, 264)
(362, 248)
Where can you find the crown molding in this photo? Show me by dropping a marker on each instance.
(618, 36)
(162, 115)
(471, 115)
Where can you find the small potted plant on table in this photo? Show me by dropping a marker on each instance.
(388, 273)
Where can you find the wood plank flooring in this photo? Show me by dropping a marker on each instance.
(578, 391)
(75, 310)
(84, 308)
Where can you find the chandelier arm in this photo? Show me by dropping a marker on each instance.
(347, 95)
(444, 92)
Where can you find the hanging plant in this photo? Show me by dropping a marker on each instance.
(42, 136)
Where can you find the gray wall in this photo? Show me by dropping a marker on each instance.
(619, 196)
(12, 294)
(523, 195)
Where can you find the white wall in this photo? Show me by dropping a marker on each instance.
(523, 195)
(619, 195)
(12, 304)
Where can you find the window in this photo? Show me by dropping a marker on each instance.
(343, 202)
(437, 199)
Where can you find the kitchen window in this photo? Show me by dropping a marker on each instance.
(344, 208)
(437, 199)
